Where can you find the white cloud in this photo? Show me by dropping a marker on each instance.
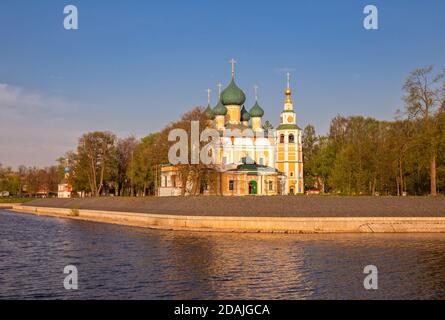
(37, 128)
(34, 128)
(17, 100)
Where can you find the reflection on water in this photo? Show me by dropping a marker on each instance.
(130, 263)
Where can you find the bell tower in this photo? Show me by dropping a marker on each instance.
(289, 146)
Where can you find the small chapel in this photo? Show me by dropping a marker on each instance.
(269, 163)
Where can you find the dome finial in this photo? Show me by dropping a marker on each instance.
(288, 90)
(232, 62)
(209, 91)
(219, 85)
(255, 87)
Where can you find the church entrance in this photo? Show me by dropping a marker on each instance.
(252, 187)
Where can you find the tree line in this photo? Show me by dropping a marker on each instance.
(365, 156)
(28, 181)
(104, 164)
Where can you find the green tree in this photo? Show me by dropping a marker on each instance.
(95, 155)
(125, 165)
(309, 141)
(422, 101)
(149, 155)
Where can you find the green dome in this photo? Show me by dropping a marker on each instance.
(209, 113)
(220, 109)
(256, 111)
(245, 116)
(232, 95)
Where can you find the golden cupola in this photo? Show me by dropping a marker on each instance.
(288, 91)
(288, 94)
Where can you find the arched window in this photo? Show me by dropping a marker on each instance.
(291, 138)
(282, 138)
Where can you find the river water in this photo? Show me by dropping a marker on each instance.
(117, 262)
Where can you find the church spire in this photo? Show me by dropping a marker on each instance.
(288, 91)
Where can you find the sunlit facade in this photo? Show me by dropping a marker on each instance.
(252, 159)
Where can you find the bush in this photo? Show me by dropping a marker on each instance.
(74, 212)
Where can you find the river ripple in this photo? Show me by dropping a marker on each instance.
(117, 262)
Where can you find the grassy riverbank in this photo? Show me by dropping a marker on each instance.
(280, 206)
(15, 200)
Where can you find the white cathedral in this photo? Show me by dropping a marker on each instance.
(269, 163)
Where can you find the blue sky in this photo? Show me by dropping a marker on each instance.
(133, 66)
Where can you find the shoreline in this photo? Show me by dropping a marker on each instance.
(7, 205)
(238, 224)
